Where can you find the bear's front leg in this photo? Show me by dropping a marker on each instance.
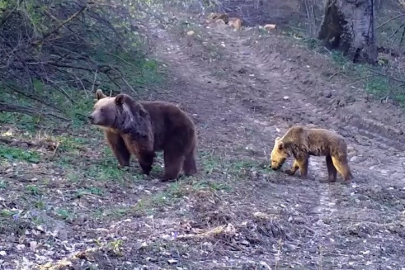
(302, 165)
(118, 147)
(146, 161)
(293, 169)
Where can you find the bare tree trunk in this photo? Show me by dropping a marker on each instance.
(348, 25)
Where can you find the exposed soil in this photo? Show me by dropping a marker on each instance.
(243, 89)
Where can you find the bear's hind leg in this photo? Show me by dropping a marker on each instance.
(173, 163)
(342, 167)
(189, 164)
(118, 147)
(331, 169)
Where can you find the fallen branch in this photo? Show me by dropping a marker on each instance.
(5, 140)
(402, 82)
(4, 107)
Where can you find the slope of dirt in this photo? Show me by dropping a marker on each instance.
(243, 89)
(248, 87)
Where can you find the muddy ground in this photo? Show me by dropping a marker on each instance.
(243, 89)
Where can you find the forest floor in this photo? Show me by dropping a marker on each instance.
(65, 205)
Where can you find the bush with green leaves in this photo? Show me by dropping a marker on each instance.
(52, 51)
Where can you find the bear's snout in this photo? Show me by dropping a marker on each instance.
(91, 119)
(276, 165)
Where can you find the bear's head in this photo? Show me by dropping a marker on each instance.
(121, 113)
(279, 154)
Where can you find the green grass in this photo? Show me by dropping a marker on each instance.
(361, 75)
(210, 162)
(366, 75)
(72, 144)
(113, 212)
(236, 168)
(140, 73)
(169, 197)
(33, 190)
(7, 213)
(40, 204)
(87, 191)
(3, 184)
(17, 154)
(164, 198)
(65, 214)
(211, 185)
(20, 120)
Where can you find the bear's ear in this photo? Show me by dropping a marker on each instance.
(120, 99)
(281, 146)
(100, 94)
(277, 139)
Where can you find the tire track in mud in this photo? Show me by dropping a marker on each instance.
(226, 105)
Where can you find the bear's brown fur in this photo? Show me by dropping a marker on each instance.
(144, 127)
(302, 142)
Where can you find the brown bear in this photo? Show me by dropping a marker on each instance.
(302, 142)
(235, 23)
(143, 127)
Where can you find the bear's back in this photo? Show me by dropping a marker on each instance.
(169, 113)
(169, 122)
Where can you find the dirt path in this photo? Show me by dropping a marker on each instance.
(245, 89)
(69, 207)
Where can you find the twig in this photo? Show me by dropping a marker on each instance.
(402, 37)
(386, 97)
(4, 107)
(361, 79)
(396, 31)
(94, 83)
(333, 75)
(31, 59)
(9, 141)
(55, 150)
(33, 97)
(69, 66)
(320, 258)
(391, 19)
(388, 76)
(84, 8)
(130, 87)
